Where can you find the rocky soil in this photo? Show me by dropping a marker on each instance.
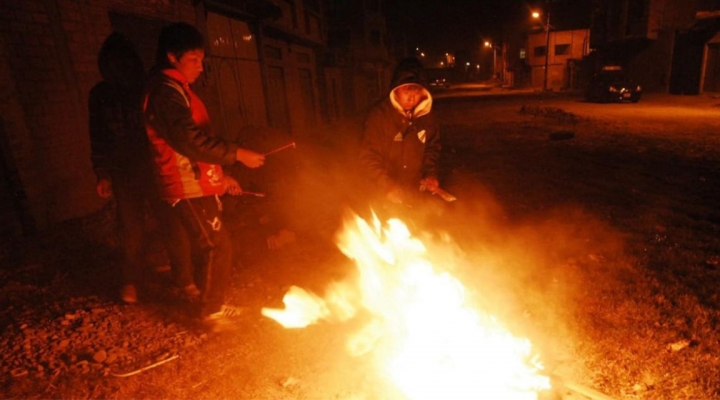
(591, 229)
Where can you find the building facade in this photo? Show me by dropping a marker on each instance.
(356, 65)
(561, 52)
(261, 69)
(666, 45)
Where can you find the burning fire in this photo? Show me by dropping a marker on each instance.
(423, 334)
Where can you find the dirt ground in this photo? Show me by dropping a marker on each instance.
(590, 229)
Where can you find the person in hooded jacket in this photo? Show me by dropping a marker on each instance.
(187, 163)
(120, 151)
(401, 143)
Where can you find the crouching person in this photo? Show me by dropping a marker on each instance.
(187, 163)
(401, 143)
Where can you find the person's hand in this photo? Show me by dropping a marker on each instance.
(430, 184)
(250, 158)
(232, 187)
(104, 188)
(395, 195)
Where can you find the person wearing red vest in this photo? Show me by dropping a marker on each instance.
(187, 163)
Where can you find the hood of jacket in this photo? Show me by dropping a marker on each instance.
(410, 72)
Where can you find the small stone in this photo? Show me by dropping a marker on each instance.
(100, 356)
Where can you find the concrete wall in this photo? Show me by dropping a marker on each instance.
(51, 64)
(577, 42)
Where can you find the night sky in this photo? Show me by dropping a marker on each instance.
(439, 26)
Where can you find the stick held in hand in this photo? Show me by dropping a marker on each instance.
(287, 146)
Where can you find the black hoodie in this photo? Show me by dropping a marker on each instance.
(117, 135)
(399, 150)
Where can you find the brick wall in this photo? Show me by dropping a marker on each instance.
(51, 51)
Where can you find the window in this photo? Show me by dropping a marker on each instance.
(289, 14)
(523, 54)
(312, 5)
(339, 38)
(303, 57)
(562, 49)
(540, 51)
(273, 53)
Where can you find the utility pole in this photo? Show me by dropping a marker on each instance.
(547, 49)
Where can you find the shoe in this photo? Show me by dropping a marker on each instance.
(128, 294)
(191, 291)
(230, 311)
(222, 320)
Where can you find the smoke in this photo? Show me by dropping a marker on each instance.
(527, 269)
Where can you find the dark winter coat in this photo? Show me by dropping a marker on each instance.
(398, 149)
(186, 153)
(119, 147)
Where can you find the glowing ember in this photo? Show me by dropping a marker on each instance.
(424, 336)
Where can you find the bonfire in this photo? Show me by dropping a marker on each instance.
(422, 333)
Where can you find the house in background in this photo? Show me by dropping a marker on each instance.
(666, 45)
(563, 55)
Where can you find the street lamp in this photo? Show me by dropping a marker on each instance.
(494, 49)
(536, 15)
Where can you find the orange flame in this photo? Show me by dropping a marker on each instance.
(423, 334)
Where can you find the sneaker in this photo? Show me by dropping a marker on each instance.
(223, 319)
(230, 311)
(128, 294)
(191, 291)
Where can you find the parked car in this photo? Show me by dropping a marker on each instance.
(611, 84)
(440, 83)
(441, 78)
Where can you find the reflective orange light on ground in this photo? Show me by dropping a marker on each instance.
(423, 334)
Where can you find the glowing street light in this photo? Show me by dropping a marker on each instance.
(494, 49)
(536, 15)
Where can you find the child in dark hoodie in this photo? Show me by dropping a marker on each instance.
(401, 143)
(120, 151)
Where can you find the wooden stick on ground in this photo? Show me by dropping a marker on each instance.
(137, 371)
(582, 390)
